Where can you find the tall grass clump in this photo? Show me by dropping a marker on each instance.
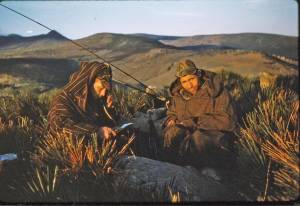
(129, 101)
(25, 105)
(21, 127)
(244, 92)
(269, 147)
(81, 169)
(54, 168)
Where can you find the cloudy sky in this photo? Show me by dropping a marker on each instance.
(77, 19)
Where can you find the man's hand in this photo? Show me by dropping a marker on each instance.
(188, 123)
(170, 123)
(109, 101)
(106, 132)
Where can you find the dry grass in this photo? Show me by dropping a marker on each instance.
(74, 154)
(270, 135)
(129, 102)
(175, 196)
(50, 160)
(57, 166)
(43, 183)
(283, 149)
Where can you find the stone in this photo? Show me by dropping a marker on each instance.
(143, 175)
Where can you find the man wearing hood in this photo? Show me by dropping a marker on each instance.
(200, 118)
(85, 105)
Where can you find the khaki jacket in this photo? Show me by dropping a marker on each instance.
(73, 110)
(209, 109)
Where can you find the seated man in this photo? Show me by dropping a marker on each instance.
(200, 119)
(85, 105)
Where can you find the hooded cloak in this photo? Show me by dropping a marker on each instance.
(74, 110)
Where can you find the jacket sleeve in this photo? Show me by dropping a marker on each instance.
(63, 118)
(222, 117)
(171, 112)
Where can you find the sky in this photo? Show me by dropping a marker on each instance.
(78, 19)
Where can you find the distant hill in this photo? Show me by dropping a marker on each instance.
(104, 44)
(144, 56)
(267, 43)
(156, 37)
(118, 45)
(16, 41)
(121, 43)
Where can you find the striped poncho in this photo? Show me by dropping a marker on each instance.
(74, 110)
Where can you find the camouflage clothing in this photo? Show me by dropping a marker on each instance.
(207, 118)
(75, 110)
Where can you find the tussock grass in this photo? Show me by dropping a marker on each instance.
(52, 165)
(130, 101)
(65, 168)
(269, 140)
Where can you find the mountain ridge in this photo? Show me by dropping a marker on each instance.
(271, 44)
(18, 40)
(146, 58)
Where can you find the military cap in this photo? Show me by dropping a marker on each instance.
(185, 67)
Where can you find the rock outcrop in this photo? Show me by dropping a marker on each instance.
(142, 176)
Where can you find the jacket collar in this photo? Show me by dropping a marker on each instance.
(208, 81)
(187, 96)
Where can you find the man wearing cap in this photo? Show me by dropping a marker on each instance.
(200, 119)
(85, 105)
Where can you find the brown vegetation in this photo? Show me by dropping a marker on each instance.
(54, 167)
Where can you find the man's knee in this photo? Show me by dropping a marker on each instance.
(200, 141)
(209, 141)
(173, 136)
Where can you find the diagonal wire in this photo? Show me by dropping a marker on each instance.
(161, 98)
(90, 51)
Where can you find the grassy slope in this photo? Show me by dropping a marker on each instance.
(268, 43)
(50, 71)
(145, 58)
(156, 67)
(104, 44)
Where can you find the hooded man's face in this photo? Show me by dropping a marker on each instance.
(190, 83)
(100, 88)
